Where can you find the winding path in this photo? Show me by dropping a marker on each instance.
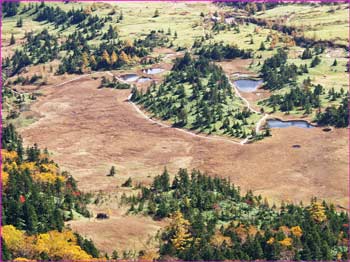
(137, 109)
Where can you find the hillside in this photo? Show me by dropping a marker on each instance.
(175, 130)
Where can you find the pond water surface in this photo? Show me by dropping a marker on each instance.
(275, 123)
(130, 77)
(152, 71)
(248, 85)
(143, 80)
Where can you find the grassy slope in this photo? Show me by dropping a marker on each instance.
(321, 22)
(184, 18)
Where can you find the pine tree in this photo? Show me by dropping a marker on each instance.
(106, 58)
(93, 62)
(307, 54)
(19, 22)
(12, 40)
(6, 254)
(156, 13)
(262, 47)
(112, 171)
(31, 218)
(85, 59)
(335, 63)
(114, 58)
(124, 58)
(316, 61)
(181, 236)
(115, 255)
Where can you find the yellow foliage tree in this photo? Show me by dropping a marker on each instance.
(270, 241)
(30, 166)
(23, 259)
(93, 62)
(87, 10)
(297, 231)
(105, 57)
(114, 58)
(52, 168)
(13, 238)
(128, 43)
(4, 178)
(48, 177)
(56, 245)
(85, 59)
(60, 245)
(149, 255)
(252, 231)
(9, 156)
(124, 57)
(180, 226)
(286, 242)
(317, 212)
(218, 239)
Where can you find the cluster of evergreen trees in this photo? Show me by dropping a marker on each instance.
(297, 97)
(335, 116)
(197, 95)
(277, 73)
(156, 39)
(212, 220)
(219, 51)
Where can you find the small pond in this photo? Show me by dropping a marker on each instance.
(130, 77)
(152, 71)
(275, 123)
(143, 79)
(247, 85)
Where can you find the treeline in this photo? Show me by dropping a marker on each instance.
(197, 95)
(36, 200)
(219, 51)
(212, 220)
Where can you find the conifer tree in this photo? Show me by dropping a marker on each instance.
(12, 40)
